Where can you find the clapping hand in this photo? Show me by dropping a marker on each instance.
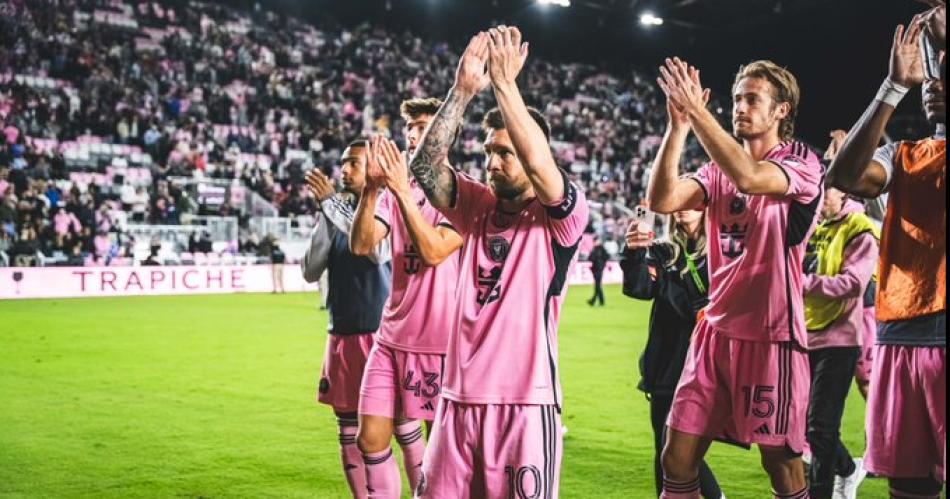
(907, 65)
(320, 185)
(471, 77)
(684, 91)
(392, 162)
(507, 54)
(934, 22)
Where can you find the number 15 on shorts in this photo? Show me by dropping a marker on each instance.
(759, 401)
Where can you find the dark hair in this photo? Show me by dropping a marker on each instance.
(364, 143)
(494, 121)
(414, 108)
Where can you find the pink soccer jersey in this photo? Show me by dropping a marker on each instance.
(511, 284)
(756, 247)
(418, 315)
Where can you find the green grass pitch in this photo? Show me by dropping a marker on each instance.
(213, 396)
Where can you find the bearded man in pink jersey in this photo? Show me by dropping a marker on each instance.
(747, 375)
(403, 377)
(497, 431)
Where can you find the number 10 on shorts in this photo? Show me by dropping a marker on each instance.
(519, 481)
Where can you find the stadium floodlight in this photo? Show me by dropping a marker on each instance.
(562, 3)
(649, 19)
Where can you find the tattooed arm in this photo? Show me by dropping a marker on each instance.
(430, 165)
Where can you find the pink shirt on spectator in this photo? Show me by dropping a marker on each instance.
(860, 260)
(102, 244)
(63, 220)
(512, 282)
(12, 134)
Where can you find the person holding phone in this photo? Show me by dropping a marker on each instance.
(672, 274)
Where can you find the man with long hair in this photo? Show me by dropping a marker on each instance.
(746, 377)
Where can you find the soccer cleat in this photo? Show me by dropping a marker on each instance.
(847, 487)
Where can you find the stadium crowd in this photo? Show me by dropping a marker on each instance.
(173, 90)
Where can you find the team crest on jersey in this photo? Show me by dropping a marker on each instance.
(498, 248)
(738, 205)
(732, 240)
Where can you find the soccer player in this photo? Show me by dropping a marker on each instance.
(746, 377)
(403, 377)
(497, 431)
(906, 415)
(359, 287)
(842, 256)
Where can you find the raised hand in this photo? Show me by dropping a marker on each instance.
(935, 22)
(320, 185)
(394, 167)
(683, 88)
(907, 65)
(636, 238)
(507, 54)
(837, 140)
(471, 77)
(375, 176)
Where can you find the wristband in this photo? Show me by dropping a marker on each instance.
(891, 93)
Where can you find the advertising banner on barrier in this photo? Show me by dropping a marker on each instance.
(80, 282)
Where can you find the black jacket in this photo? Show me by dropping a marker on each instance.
(676, 301)
(598, 259)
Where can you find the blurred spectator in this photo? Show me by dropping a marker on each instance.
(262, 107)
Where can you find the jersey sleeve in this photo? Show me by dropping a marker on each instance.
(568, 217)
(384, 209)
(705, 177)
(804, 171)
(885, 155)
(469, 196)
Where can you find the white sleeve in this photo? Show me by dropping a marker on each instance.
(317, 256)
(885, 155)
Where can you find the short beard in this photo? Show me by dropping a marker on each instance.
(506, 191)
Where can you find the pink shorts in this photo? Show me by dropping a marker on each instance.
(907, 412)
(863, 370)
(343, 364)
(743, 392)
(400, 384)
(492, 451)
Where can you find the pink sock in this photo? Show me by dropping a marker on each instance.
(382, 475)
(801, 494)
(680, 490)
(352, 458)
(409, 436)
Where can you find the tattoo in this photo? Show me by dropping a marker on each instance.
(428, 164)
